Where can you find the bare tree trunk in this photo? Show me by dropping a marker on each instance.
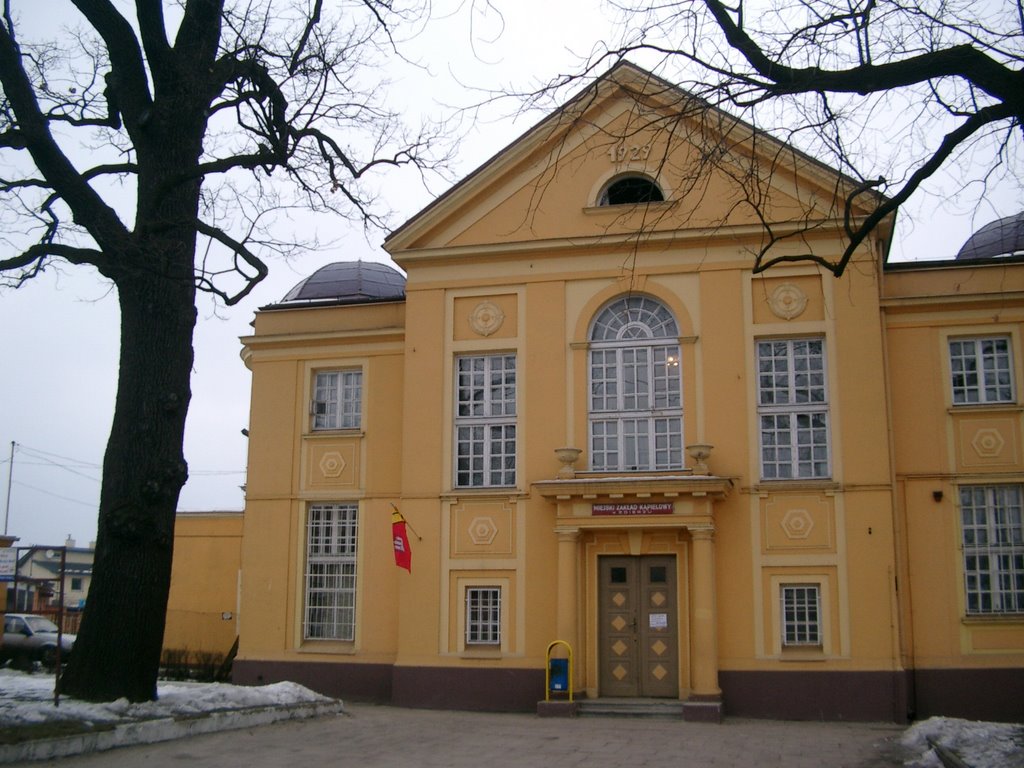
(143, 473)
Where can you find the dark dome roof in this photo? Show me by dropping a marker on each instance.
(1003, 237)
(350, 282)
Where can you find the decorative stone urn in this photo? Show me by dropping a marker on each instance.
(699, 452)
(568, 458)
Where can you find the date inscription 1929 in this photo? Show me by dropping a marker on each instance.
(623, 153)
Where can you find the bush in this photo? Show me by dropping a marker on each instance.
(197, 666)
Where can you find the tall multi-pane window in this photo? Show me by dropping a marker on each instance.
(993, 537)
(982, 370)
(485, 421)
(337, 400)
(793, 409)
(801, 615)
(636, 409)
(483, 616)
(331, 534)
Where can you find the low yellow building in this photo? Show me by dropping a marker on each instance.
(203, 603)
(953, 341)
(730, 490)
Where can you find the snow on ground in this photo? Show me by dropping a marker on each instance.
(979, 745)
(26, 699)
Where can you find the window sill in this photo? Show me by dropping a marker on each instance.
(654, 205)
(985, 408)
(993, 618)
(803, 653)
(334, 647)
(481, 653)
(503, 491)
(634, 473)
(796, 483)
(357, 432)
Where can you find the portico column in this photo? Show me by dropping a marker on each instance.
(566, 624)
(705, 614)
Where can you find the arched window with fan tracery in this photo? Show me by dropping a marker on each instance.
(635, 408)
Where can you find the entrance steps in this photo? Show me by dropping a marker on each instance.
(671, 709)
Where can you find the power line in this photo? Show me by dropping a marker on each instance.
(57, 496)
(47, 462)
(80, 464)
(44, 454)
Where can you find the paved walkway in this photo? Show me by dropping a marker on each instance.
(370, 736)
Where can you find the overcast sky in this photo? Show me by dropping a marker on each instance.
(59, 333)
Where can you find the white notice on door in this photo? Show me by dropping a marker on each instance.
(659, 620)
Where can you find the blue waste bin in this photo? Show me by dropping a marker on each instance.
(558, 674)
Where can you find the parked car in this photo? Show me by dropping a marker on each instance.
(29, 638)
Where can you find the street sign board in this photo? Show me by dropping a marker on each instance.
(8, 563)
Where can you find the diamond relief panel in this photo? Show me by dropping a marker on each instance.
(988, 443)
(659, 648)
(618, 623)
(332, 464)
(619, 647)
(619, 599)
(482, 530)
(619, 672)
(658, 599)
(659, 672)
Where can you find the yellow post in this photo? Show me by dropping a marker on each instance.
(547, 669)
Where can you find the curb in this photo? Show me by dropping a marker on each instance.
(163, 729)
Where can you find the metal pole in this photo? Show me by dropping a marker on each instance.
(10, 474)
(60, 623)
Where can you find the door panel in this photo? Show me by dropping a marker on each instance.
(638, 635)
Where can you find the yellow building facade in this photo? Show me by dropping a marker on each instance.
(203, 602)
(602, 428)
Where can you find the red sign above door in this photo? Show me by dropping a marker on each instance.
(653, 508)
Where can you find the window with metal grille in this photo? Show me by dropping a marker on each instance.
(982, 371)
(332, 531)
(485, 421)
(636, 414)
(993, 537)
(483, 616)
(801, 615)
(793, 409)
(337, 400)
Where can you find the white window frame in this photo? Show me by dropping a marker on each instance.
(483, 616)
(332, 537)
(992, 535)
(337, 399)
(793, 409)
(485, 442)
(800, 615)
(635, 403)
(981, 370)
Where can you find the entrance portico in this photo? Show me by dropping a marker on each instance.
(659, 521)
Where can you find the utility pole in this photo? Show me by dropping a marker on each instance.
(10, 474)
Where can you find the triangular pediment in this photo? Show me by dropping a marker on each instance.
(718, 177)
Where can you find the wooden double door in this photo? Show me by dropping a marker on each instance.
(638, 650)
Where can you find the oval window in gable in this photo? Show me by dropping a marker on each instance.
(631, 190)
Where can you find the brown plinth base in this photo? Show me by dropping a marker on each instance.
(703, 709)
(557, 708)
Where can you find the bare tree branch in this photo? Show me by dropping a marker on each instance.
(189, 131)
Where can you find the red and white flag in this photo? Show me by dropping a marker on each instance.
(400, 539)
